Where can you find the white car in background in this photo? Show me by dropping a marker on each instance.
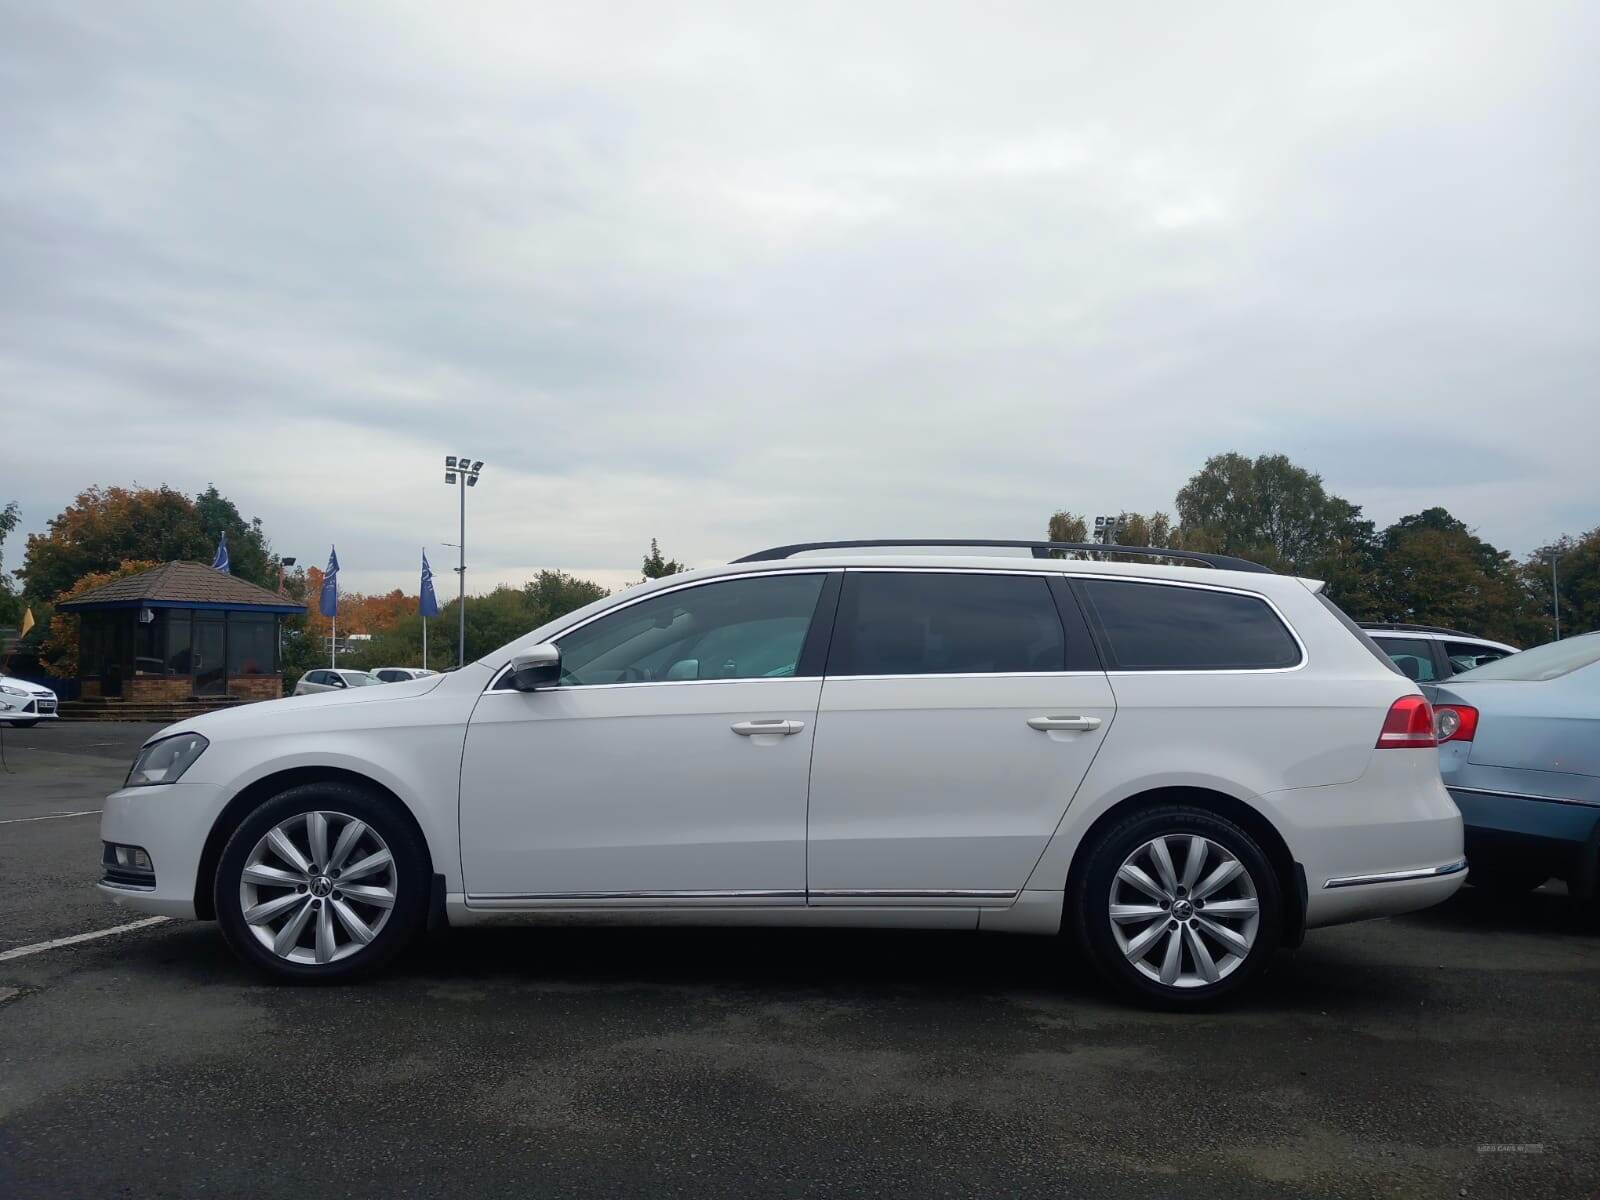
(24, 704)
(330, 680)
(1181, 768)
(400, 674)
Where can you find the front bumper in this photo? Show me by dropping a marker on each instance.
(33, 708)
(170, 822)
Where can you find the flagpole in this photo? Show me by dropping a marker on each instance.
(424, 643)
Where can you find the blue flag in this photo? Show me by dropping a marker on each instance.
(328, 605)
(430, 602)
(220, 562)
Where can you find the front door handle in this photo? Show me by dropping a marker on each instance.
(757, 728)
(1048, 723)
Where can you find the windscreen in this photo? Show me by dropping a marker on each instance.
(1542, 662)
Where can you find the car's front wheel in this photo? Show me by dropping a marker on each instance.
(323, 882)
(1177, 907)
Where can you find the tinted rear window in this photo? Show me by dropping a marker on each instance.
(924, 623)
(1162, 627)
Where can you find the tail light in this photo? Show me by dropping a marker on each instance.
(1409, 725)
(1455, 723)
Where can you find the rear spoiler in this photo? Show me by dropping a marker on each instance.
(1314, 586)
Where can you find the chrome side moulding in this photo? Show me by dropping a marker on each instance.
(1451, 868)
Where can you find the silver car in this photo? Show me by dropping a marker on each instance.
(329, 680)
(400, 674)
(1519, 747)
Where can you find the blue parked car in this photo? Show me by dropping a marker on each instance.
(1519, 747)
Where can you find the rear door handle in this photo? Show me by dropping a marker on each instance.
(1048, 723)
(756, 728)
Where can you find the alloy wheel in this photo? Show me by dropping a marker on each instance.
(318, 887)
(1184, 910)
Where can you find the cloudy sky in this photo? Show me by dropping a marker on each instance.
(733, 276)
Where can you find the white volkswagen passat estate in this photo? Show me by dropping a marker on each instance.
(1182, 767)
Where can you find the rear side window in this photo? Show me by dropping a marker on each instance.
(927, 623)
(1163, 627)
(1414, 657)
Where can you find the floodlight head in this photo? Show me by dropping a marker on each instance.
(449, 460)
(449, 476)
(472, 481)
(477, 466)
(288, 562)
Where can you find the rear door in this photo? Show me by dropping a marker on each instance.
(960, 712)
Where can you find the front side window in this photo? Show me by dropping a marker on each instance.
(1414, 657)
(926, 623)
(1167, 627)
(732, 629)
(1464, 656)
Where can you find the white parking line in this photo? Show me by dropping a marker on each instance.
(41, 947)
(88, 812)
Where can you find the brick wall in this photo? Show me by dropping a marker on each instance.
(169, 689)
(255, 687)
(162, 688)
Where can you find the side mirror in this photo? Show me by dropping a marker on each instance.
(537, 668)
(338, 681)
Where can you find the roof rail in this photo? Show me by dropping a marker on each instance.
(1221, 562)
(1403, 627)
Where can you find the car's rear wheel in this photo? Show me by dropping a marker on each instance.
(1177, 907)
(323, 882)
(1505, 879)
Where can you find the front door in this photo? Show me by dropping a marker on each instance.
(210, 657)
(669, 766)
(960, 712)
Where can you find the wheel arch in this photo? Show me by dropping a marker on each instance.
(248, 798)
(1291, 875)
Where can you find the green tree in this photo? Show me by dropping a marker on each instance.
(1436, 571)
(1578, 572)
(1067, 527)
(104, 527)
(249, 553)
(1271, 511)
(10, 602)
(657, 567)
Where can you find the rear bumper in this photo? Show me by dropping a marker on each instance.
(1387, 843)
(1561, 835)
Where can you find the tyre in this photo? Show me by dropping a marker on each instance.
(1505, 879)
(322, 883)
(1177, 907)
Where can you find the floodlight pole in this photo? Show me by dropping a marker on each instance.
(463, 473)
(1555, 591)
(461, 573)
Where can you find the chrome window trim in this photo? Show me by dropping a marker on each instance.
(1523, 795)
(1450, 868)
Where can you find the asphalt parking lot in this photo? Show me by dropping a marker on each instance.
(1452, 1053)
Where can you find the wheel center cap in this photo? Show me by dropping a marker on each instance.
(1183, 910)
(321, 886)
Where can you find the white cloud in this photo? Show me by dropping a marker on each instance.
(732, 275)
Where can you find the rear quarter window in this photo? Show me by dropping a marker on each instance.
(1170, 627)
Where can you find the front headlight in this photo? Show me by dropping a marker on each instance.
(12, 691)
(166, 761)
